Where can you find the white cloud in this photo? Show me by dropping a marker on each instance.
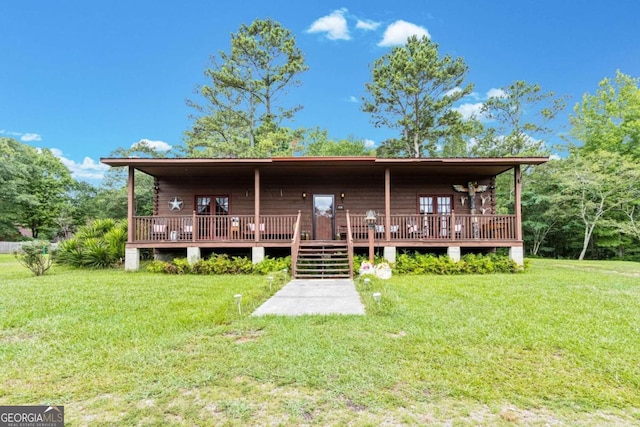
(334, 25)
(155, 145)
(367, 25)
(369, 143)
(88, 170)
(452, 91)
(470, 110)
(24, 137)
(30, 137)
(496, 93)
(397, 33)
(353, 99)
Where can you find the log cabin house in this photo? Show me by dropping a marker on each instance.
(323, 209)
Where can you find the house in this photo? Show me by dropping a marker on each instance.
(323, 209)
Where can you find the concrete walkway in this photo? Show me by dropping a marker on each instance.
(318, 296)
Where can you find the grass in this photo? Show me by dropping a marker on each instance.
(556, 345)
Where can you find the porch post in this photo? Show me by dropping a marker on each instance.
(131, 203)
(454, 253)
(131, 259)
(131, 255)
(256, 203)
(516, 254)
(387, 204)
(517, 178)
(193, 254)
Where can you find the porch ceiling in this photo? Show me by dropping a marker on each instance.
(320, 165)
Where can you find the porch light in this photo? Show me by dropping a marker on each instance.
(370, 218)
(342, 196)
(304, 195)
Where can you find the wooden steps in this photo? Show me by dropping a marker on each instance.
(323, 260)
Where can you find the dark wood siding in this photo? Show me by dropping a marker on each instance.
(281, 194)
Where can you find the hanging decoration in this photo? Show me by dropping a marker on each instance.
(176, 204)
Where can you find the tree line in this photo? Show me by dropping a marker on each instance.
(582, 204)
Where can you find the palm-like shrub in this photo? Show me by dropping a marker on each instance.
(99, 244)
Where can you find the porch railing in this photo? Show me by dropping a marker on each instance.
(197, 228)
(437, 227)
(281, 228)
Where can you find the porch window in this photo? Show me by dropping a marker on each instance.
(220, 205)
(435, 204)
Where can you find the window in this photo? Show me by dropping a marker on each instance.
(442, 205)
(221, 205)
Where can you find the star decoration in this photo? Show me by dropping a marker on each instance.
(176, 204)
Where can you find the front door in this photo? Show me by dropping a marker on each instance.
(323, 214)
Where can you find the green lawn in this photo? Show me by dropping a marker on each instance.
(559, 344)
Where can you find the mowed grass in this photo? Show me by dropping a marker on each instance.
(559, 344)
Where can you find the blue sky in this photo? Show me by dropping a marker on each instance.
(87, 77)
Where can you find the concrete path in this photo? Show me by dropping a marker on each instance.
(318, 296)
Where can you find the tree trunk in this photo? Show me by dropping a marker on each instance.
(588, 230)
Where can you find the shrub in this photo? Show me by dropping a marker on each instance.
(99, 244)
(418, 263)
(220, 264)
(33, 255)
(269, 265)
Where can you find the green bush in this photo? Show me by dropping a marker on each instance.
(406, 263)
(99, 244)
(33, 255)
(417, 263)
(269, 265)
(220, 264)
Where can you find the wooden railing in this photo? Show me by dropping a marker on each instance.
(197, 228)
(436, 227)
(282, 228)
(350, 245)
(295, 245)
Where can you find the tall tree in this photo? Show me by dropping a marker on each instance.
(13, 175)
(518, 121)
(610, 119)
(594, 187)
(540, 210)
(317, 143)
(39, 185)
(243, 105)
(413, 91)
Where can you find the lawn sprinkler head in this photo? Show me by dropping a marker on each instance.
(238, 298)
(377, 296)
